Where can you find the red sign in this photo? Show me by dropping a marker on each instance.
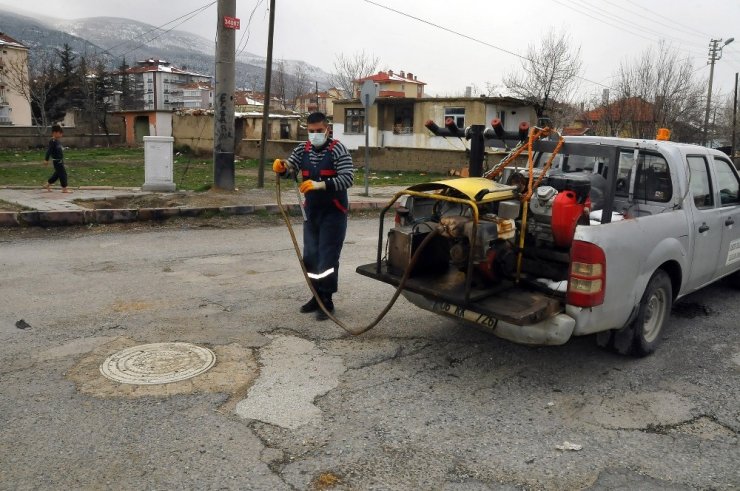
(231, 22)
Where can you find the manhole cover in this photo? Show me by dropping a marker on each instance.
(158, 363)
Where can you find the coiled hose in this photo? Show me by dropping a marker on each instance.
(356, 331)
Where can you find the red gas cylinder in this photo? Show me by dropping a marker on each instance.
(566, 211)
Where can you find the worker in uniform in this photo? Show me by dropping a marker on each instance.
(326, 168)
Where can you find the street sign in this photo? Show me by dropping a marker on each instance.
(368, 92)
(231, 22)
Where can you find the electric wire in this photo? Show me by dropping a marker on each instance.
(188, 16)
(662, 15)
(654, 19)
(597, 15)
(247, 30)
(155, 28)
(470, 38)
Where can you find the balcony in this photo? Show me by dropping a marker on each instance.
(5, 120)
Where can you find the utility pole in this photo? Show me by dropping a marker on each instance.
(223, 102)
(715, 54)
(317, 96)
(266, 107)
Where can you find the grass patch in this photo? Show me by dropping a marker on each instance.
(5, 206)
(124, 167)
(390, 178)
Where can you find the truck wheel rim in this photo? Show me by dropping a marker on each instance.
(654, 315)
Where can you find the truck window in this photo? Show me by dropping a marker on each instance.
(652, 177)
(699, 184)
(727, 182)
(573, 163)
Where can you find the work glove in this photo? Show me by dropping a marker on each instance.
(307, 186)
(279, 166)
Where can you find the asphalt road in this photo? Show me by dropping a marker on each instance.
(420, 402)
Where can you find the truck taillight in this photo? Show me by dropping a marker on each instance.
(587, 275)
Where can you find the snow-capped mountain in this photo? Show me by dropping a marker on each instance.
(115, 38)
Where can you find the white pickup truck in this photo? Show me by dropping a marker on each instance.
(617, 230)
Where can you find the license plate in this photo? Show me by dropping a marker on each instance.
(469, 315)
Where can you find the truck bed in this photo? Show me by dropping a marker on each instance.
(506, 301)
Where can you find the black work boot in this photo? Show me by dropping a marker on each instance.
(329, 304)
(310, 306)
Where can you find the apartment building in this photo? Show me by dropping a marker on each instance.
(159, 85)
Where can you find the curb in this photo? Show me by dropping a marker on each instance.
(61, 218)
(80, 188)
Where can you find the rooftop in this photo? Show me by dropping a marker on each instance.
(6, 40)
(156, 65)
(390, 76)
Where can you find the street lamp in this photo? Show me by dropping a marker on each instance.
(715, 54)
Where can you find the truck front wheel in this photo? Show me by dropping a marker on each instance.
(642, 335)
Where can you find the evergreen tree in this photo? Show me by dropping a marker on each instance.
(67, 66)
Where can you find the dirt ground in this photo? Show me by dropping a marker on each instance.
(190, 199)
(5, 206)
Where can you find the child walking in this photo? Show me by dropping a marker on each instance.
(57, 157)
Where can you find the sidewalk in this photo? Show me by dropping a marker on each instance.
(42, 208)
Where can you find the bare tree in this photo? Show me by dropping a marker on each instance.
(253, 82)
(36, 82)
(658, 89)
(721, 127)
(549, 73)
(348, 68)
(299, 85)
(279, 83)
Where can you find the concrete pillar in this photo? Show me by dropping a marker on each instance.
(158, 167)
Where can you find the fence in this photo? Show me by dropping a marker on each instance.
(34, 137)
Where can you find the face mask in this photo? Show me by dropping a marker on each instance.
(317, 139)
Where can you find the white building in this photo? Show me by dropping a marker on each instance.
(400, 121)
(160, 86)
(198, 95)
(15, 109)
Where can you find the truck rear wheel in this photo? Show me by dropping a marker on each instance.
(734, 280)
(642, 335)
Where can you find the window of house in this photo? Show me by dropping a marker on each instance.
(354, 121)
(403, 120)
(699, 184)
(457, 114)
(727, 182)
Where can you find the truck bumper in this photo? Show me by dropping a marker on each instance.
(554, 330)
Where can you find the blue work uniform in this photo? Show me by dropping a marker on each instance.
(326, 210)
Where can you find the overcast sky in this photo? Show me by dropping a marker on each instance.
(608, 31)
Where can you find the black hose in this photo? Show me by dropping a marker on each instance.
(359, 330)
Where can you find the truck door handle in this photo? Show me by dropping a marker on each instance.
(730, 221)
(704, 227)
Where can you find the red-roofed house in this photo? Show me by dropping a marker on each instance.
(15, 109)
(392, 84)
(632, 117)
(307, 103)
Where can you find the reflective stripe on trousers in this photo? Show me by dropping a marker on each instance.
(323, 237)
